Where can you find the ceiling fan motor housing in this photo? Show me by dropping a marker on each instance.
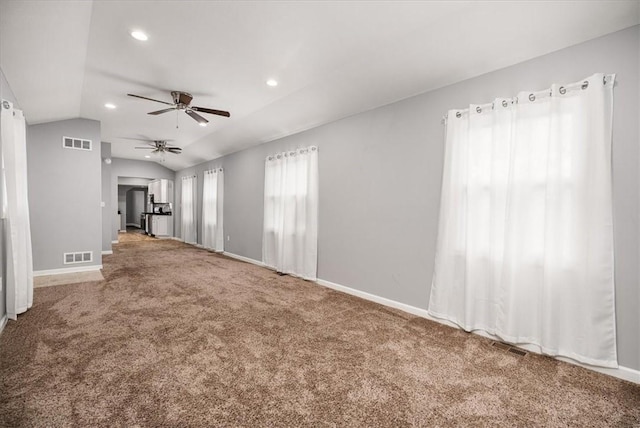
(181, 99)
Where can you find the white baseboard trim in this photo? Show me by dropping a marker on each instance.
(377, 299)
(66, 270)
(3, 322)
(107, 252)
(211, 250)
(244, 259)
(621, 372)
(133, 225)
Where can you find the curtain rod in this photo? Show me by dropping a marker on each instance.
(545, 93)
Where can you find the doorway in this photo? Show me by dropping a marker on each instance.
(132, 205)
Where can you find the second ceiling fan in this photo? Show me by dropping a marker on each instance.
(182, 101)
(158, 146)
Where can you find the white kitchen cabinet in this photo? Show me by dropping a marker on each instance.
(162, 190)
(161, 225)
(153, 188)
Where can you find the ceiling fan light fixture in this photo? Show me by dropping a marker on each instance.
(272, 83)
(110, 106)
(139, 35)
(147, 156)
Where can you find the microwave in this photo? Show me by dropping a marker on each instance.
(162, 208)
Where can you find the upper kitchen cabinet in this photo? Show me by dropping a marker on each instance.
(162, 190)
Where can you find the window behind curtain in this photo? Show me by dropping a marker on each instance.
(290, 231)
(212, 209)
(525, 240)
(188, 200)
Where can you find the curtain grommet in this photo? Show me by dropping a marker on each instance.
(532, 97)
(604, 80)
(585, 85)
(6, 105)
(562, 90)
(458, 115)
(478, 110)
(504, 103)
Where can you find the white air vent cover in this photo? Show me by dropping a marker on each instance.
(76, 143)
(80, 257)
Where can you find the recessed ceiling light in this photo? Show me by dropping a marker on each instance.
(109, 105)
(203, 124)
(139, 35)
(272, 82)
(147, 156)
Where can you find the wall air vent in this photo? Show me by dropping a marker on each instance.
(76, 143)
(81, 257)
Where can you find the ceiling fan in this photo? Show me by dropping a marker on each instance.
(182, 101)
(159, 146)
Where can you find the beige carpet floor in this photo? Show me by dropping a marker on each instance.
(134, 236)
(67, 278)
(180, 337)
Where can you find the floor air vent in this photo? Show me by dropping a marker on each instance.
(501, 345)
(517, 351)
(509, 348)
(81, 257)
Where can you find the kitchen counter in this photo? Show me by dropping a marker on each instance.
(159, 224)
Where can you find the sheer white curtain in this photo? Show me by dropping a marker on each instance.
(188, 207)
(15, 211)
(525, 242)
(212, 209)
(290, 234)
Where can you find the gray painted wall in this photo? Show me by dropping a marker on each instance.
(133, 169)
(136, 201)
(380, 181)
(64, 193)
(107, 218)
(132, 181)
(5, 94)
(122, 205)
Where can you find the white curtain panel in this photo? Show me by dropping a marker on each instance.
(290, 234)
(15, 210)
(525, 240)
(212, 210)
(188, 213)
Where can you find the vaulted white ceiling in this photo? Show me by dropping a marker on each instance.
(66, 59)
